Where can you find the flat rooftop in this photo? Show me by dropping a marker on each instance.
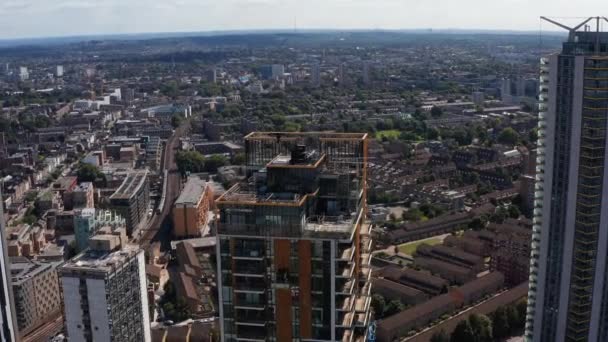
(23, 269)
(130, 185)
(192, 193)
(103, 262)
(243, 194)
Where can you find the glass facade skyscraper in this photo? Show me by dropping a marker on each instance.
(568, 295)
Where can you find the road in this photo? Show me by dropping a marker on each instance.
(159, 228)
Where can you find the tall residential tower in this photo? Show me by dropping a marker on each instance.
(293, 245)
(568, 296)
(8, 320)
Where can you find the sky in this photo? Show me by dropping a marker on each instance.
(49, 18)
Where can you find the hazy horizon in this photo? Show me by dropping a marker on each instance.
(26, 19)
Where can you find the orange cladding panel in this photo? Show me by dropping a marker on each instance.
(305, 274)
(281, 254)
(283, 314)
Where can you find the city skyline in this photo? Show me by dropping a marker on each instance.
(74, 18)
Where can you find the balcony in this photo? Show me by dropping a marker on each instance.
(347, 272)
(249, 333)
(247, 284)
(347, 254)
(362, 303)
(347, 304)
(249, 268)
(346, 288)
(346, 321)
(362, 319)
(348, 336)
(248, 317)
(328, 225)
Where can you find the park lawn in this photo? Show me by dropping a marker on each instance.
(389, 134)
(410, 247)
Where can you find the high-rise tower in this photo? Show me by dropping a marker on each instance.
(568, 296)
(8, 321)
(293, 245)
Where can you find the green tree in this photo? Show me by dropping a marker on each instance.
(170, 89)
(482, 328)
(508, 136)
(533, 135)
(175, 308)
(432, 133)
(463, 137)
(413, 214)
(513, 211)
(212, 163)
(463, 332)
(89, 173)
(239, 159)
(440, 336)
(436, 112)
(478, 223)
(515, 321)
(378, 305)
(189, 161)
(500, 323)
(393, 307)
(176, 120)
(521, 307)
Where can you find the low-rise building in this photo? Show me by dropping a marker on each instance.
(421, 280)
(446, 270)
(452, 255)
(471, 245)
(392, 290)
(511, 252)
(83, 196)
(398, 325)
(191, 211)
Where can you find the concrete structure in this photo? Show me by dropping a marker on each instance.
(191, 211)
(24, 74)
(105, 293)
(83, 196)
(59, 72)
(8, 320)
(294, 246)
(272, 71)
(89, 220)
(131, 199)
(478, 98)
(37, 293)
(568, 298)
(315, 74)
(511, 253)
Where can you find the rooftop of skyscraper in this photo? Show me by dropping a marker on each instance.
(99, 261)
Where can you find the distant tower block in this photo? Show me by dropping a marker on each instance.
(366, 76)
